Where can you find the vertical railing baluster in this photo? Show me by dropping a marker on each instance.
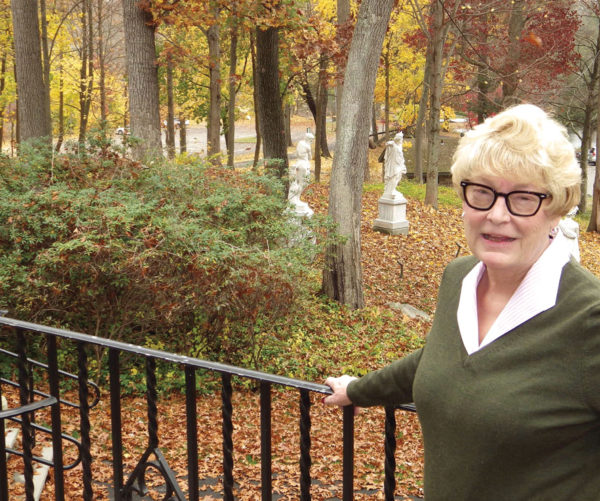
(57, 455)
(27, 439)
(192, 432)
(390, 454)
(115, 421)
(348, 439)
(265, 441)
(84, 418)
(227, 410)
(3, 469)
(152, 397)
(305, 460)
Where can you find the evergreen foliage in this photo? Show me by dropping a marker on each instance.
(183, 256)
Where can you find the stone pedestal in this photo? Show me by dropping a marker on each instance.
(392, 214)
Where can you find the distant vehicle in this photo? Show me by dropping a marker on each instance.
(592, 156)
(122, 130)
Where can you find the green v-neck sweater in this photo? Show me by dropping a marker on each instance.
(518, 420)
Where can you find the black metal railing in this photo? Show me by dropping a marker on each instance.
(32, 400)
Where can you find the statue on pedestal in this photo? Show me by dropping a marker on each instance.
(300, 175)
(394, 166)
(392, 204)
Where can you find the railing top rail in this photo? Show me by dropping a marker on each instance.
(169, 357)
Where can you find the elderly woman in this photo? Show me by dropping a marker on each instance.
(507, 386)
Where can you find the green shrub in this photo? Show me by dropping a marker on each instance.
(191, 257)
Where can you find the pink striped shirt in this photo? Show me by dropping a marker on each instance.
(535, 294)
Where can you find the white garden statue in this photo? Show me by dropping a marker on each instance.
(300, 176)
(394, 166)
(570, 229)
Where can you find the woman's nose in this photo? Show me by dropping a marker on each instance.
(499, 211)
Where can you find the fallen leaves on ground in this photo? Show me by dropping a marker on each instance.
(396, 269)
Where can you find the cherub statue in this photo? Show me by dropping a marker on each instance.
(300, 174)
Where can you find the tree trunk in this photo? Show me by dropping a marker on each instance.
(182, 134)
(594, 224)
(287, 120)
(255, 103)
(61, 105)
(386, 68)
(86, 75)
(342, 276)
(102, 68)
(321, 119)
(45, 53)
(270, 109)
(313, 107)
(170, 135)
(435, 92)
(232, 94)
(142, 81)
(374, 130)
(422, 113)
(213, 129)
(2, 107)
(343, 14)
(510, 82)
(34, 108)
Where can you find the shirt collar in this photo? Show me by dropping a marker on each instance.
(536, 293)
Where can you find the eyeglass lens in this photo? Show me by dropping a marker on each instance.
(518, 202)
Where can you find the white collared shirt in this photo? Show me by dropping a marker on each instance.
(535, 294)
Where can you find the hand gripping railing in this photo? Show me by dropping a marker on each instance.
(152, 457)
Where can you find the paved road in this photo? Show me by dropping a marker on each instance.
(196, 138)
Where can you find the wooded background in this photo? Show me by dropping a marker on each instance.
(73, 69)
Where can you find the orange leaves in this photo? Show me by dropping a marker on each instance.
(534, 39)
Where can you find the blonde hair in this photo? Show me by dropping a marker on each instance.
(523, 144)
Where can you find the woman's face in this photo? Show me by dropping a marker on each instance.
(504, 242)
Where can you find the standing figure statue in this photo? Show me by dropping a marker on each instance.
(394, 166)
(300, 175)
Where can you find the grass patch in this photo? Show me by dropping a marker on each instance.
(446, 194)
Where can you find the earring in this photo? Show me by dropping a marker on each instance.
(463, 215)
(554, 232)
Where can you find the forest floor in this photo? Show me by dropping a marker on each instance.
(396, 269)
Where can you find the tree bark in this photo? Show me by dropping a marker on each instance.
(435, 92)
(321, 119)
(255, 103)
(510, 81)
(342, 276)
(2, 107)
(213, 130)
(343, 14)
(34, 108)
(594, 224)
(102, 68)
(420, 135)
(182, 134)
(270, 109)
(314, 109)
(86, 73)
(142, 74)
(232, 94)
(170, 135)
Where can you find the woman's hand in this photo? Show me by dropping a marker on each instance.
(338, 385)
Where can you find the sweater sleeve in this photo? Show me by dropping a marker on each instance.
(591, 358)
(391, 385)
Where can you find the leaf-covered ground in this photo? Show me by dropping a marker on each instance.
(397, 269)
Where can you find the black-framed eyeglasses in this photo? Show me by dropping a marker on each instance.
(519, 203)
